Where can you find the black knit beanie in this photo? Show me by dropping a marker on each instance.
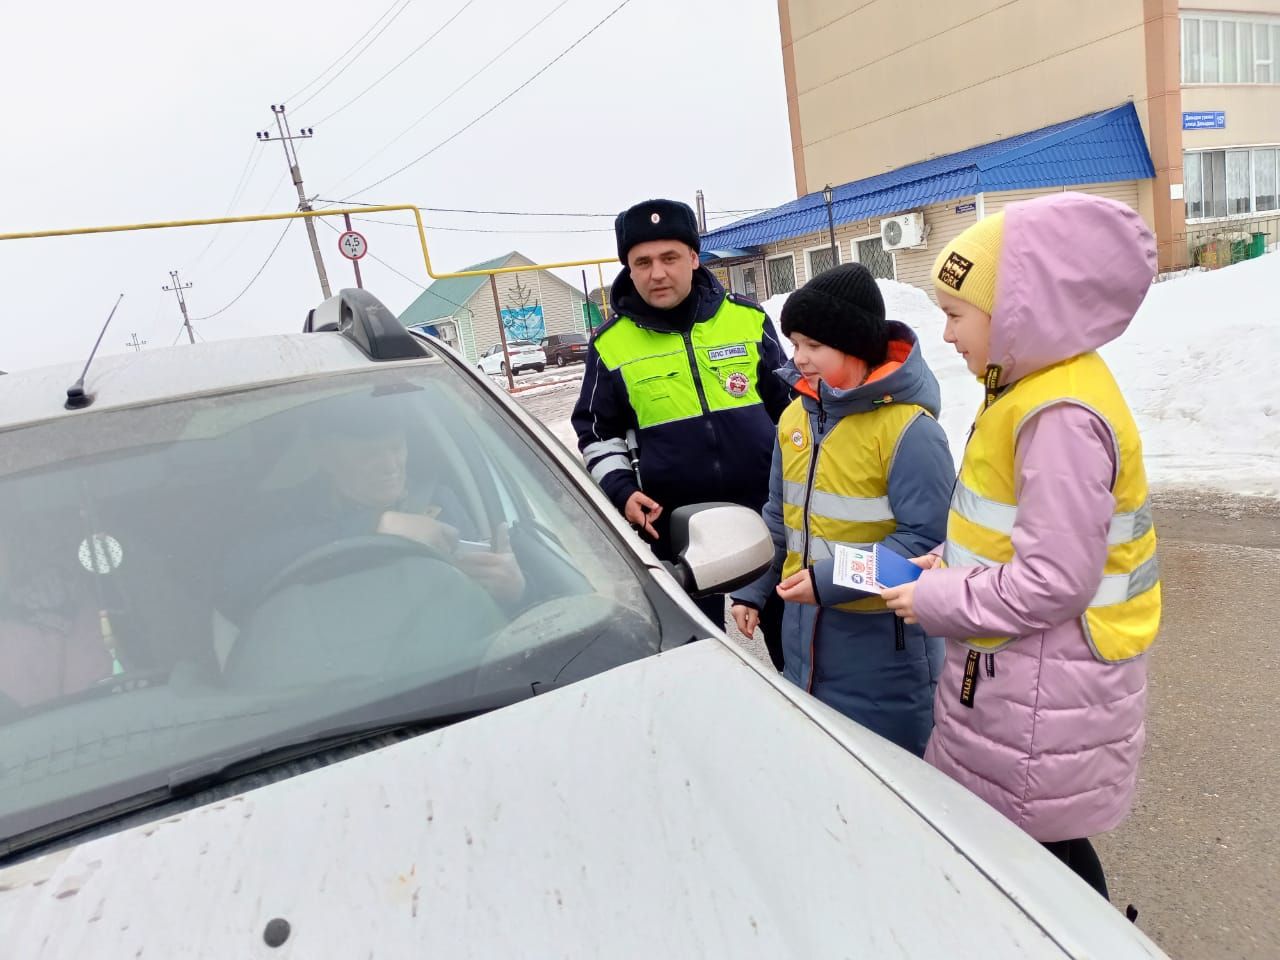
(656, 220)
(841, 308)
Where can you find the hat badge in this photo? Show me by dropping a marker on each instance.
(655, 218)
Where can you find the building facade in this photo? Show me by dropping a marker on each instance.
(534, 305)
(948, 112)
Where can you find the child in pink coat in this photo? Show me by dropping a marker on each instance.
(1047, 587)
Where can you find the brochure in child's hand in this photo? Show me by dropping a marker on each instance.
(874, 570)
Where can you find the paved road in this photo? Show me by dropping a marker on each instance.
(1200, 857)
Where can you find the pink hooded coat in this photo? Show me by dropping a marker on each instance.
(1054, 737)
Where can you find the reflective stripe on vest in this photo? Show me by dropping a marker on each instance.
(672, 376)
(836, 491)
(1124, 615)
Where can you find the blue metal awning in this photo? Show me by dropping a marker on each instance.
(725, 253)
(1099, 148)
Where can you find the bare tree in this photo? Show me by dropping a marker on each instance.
(523, 314)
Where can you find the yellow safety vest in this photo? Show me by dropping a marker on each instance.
(836, 491)
(673, 376)
(1124, 615)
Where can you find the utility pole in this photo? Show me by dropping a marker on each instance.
(701, 212)
(502, 333)
(177, 288)
(135, 343)
(346, 217)
(286, 139)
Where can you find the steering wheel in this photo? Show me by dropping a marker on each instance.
(283, 641)
(347, 555)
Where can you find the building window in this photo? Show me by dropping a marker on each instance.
(782, 273)
(1238, 185)
(1230, 49)
(1215, 183)
(1190, 50)
(821, 259)
(1262, 47)
(870, 252)
(1193, 186)
(1209, 53)
(1264, 181)
(1230, 183)
(1230, 53)
(745, 280)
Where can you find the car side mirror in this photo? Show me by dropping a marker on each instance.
(718, 547)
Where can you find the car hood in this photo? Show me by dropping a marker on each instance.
(689, 804)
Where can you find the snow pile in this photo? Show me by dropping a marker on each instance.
(1197, 366)
(773, 307)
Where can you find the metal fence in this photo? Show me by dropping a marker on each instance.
(1213, 245)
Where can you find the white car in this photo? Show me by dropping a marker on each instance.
(249, 710)
(524, 354)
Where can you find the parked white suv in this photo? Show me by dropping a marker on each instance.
(261, 699)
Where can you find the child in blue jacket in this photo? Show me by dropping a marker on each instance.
(860, 459)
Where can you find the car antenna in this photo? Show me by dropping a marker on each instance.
(77, 399)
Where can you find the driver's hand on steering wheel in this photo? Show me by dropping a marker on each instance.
(420, 528)
(497, 571)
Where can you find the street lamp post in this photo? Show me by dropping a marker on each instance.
(827, 194)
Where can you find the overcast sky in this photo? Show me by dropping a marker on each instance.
(137, 110)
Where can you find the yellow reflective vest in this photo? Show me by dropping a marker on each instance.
(836, 487)
(1124, 615)
(673, 376)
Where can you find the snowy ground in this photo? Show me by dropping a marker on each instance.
(1197, 366)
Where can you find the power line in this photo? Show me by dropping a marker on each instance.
(509, 230)
(440, 103)
(319, 90)
(560, 56)
(274, 190)
(403, 276)
(246, 176)
(318, 77)
(524, 213)
(253, 279)
(412, 53)
(414, 226)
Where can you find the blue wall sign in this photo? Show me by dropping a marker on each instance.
(1205, 120)
(966, 207)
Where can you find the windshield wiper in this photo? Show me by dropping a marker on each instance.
(293, 745)
(318, 739)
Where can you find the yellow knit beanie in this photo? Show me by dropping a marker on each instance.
(966, 267)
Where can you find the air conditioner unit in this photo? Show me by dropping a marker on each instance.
(904, 232)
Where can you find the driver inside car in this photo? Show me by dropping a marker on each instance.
(51, 640)
(368, 470)
(365, 490)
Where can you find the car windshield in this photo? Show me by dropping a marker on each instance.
(191, 580)
(521, 345)
(572, 338)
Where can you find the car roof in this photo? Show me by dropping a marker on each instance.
(152, 376)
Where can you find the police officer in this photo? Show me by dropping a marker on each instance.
(679, 398)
